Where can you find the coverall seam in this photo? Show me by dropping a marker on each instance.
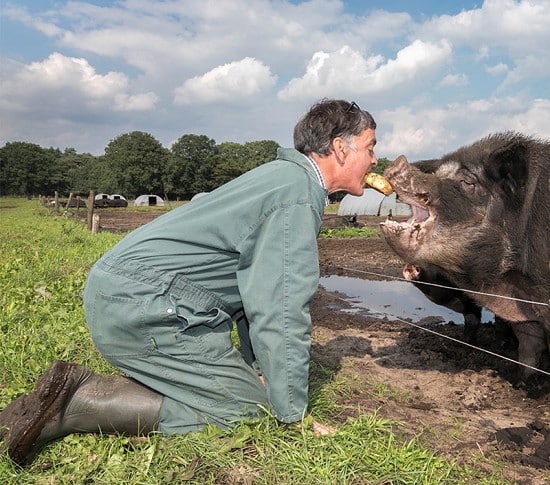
(285, 303)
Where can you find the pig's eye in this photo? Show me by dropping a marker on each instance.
(467, 186)
(468, 182)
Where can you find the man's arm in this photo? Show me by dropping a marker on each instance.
(277, 280)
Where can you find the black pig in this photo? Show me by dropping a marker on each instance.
(442, 292)
(456, 300)
(481, 217)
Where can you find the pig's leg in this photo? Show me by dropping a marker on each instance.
(531, 344)
(472, 319)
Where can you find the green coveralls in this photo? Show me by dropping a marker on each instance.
(161, 303)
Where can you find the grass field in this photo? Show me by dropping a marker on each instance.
(43, 266)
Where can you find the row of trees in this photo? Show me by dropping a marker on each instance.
(133, 164)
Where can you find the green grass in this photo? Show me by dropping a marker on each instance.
(346, 232)
(43, 266)
(332, 208)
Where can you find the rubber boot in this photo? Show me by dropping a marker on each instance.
(69, 398)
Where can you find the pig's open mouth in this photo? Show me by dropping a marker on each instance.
(411, 186)
(420, 224)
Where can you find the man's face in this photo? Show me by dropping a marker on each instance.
(359, 158)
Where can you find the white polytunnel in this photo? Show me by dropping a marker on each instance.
(373, 203)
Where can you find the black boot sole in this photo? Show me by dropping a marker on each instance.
(23, 419)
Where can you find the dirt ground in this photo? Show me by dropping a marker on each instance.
(461, 401)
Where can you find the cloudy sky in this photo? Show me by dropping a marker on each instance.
(435, 74)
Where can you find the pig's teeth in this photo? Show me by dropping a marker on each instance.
(414, 224)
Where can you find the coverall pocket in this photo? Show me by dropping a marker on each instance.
(117, 325)
(207, 344)
(205, 332)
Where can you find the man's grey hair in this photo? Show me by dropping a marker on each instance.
(327, 120)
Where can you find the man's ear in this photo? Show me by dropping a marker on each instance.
(339, 146)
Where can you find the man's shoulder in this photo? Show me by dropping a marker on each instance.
(289, 163)
(291, 155)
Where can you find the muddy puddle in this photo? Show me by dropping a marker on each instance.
(394, 299)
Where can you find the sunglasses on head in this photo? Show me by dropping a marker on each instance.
(353, 105)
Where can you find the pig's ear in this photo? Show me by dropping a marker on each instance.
(508, 168)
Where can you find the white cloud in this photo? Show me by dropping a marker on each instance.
(454, 80)
(414, 60)
(530, 118)
(519, 28)
(347, 71)
(104, 68)
(528, 68)
(414, 132)
(47, 27)
(430, 132)
(135, 102)
(61, 84)
(344, 71)
(188, 37)
(231, 82)
(482, 53)
(497, 69)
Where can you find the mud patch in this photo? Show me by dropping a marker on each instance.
(531, 443)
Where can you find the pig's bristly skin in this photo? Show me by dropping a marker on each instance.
(481, 216)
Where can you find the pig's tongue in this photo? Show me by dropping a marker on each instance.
(419, 213)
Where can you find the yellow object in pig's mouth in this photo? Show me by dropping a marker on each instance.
(378, 182)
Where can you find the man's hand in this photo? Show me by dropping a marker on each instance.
(322, 429)
(318, 428)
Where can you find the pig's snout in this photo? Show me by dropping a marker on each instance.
(399, 165)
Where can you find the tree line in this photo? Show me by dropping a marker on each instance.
(133, 164)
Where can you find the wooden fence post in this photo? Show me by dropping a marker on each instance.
(69, 202)
(91, 200)
(95, 223)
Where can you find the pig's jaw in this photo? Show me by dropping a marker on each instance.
(407, 238)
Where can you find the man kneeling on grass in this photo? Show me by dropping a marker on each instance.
(160, 305)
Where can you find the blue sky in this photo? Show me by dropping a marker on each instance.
(435, 74)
